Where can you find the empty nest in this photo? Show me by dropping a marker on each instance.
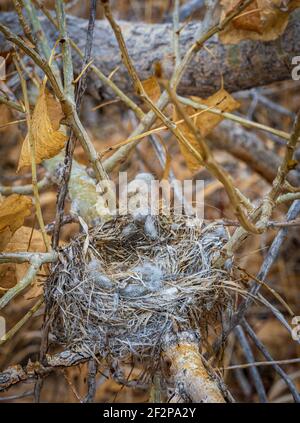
(118, 289)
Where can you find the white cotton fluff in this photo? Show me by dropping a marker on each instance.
(151, 276)
(150, 228)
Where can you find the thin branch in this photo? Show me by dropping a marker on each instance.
(138, 87)
(66, 50)
(275, 364)
(26, 28)
(36, 260)
(131, 104)
(250, 358)
(70, 147)
(235, 118)
(187, 9)
(11, 104)
(91, 381)
(21, 322)
(205, 157)
(26, 189)
(31, 141)
(270, 258)
(41, 40)
(203, 34)
(286, 165)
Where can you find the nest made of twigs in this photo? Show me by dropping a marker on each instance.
(119, 289)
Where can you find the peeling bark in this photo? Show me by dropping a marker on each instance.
(187, 370)
(246, 65)
(16, 374)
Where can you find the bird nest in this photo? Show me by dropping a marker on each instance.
(120, 288)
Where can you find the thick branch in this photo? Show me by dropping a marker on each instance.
(243, 66)
(187, 370)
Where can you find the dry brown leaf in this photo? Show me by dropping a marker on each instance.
(205, 121)
(152, 88)
(48, 139)
(13, 210)
(221, 100)
(263, 20)
(24, 239)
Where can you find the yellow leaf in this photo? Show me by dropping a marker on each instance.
(152, 88)
(47, 137)
(204, 121)
(263, 20)
(13, 210)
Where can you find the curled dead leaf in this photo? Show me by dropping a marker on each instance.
(152, 88)
(263, 20)
(204, 121)
(13, 210)
(47, 136)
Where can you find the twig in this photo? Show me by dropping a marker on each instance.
(39, 35)
(12, 104)
(21, 322)
(262, 275)
(262, 363)
(275, 364)
(201, 37)
(66, 50)
(36, 260)
(26, 28)
(33, 159)
(70, 147)
(288, 197)
(122, 45)
(187, 9)
(91, 380)
(67, 105)
(250, 358)
(261, 98)
(205, 157)
(26, 189)
(65, 221)
(286, 165)
(238, 119)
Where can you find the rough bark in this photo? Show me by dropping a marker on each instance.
(243, 66)
(187, 370)
(16, 374)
